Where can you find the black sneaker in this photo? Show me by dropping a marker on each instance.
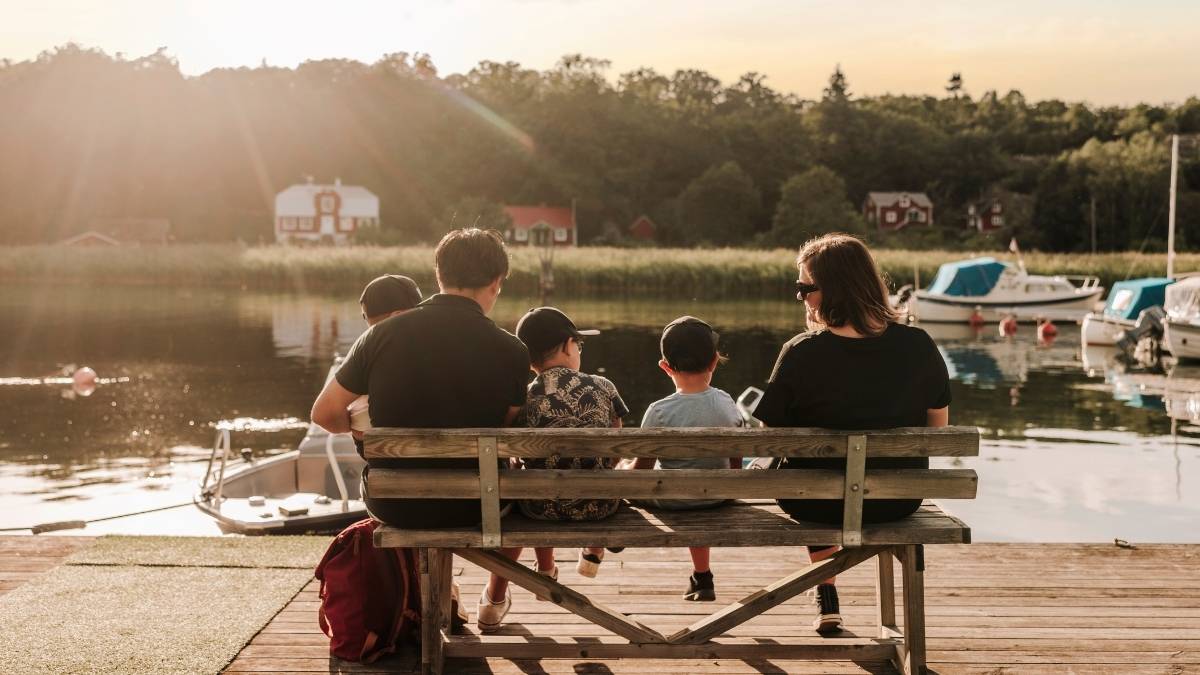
(700, 588)
(828, 620)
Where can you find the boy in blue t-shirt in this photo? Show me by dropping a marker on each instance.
(689, 357)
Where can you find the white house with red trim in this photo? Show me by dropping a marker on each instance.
(531, 223)
(321, 212)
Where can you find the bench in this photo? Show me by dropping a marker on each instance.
(753, 520)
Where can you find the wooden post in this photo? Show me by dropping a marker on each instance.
(435, 601)
(885, 594)
(912, 660)
(489, 491)
(852, 501)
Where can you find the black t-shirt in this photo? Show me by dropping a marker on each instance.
(825, 380)
(442, 365)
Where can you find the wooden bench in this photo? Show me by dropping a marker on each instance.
(754, 520)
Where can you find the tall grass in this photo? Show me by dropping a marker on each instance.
(690, 273)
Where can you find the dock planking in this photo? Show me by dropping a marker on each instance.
(25, 557)
(990, 608)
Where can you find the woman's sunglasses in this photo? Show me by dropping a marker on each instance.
(803, 289)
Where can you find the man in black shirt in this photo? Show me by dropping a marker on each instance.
(443, 364)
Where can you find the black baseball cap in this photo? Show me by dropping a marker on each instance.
(544, 328)
(389, 293)
(689, 345)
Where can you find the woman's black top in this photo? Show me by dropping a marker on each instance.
(825, 380)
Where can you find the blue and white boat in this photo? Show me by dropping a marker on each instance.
(1126, 301)
(998, 289)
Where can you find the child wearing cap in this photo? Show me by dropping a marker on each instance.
(689, 357)
(382, 298)
(560, 397)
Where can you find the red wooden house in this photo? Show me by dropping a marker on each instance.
(986, 216)
(895, 210)
(533, 225)
(643, 229)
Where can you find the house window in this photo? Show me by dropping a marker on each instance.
(997, 220)
(346, 224)
(915, 216)
(305, 224)
(560, 235)
(521, 235)
(327, 203)
(287, 224)
(904, 202)
(891, 217)
(996, 207)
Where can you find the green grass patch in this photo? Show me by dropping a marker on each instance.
(588, 271)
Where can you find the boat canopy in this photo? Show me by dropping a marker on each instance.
(1183, 298)
(967, 277)
(1128, 298)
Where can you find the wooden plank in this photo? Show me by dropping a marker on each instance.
(852, 501)
(562, 596)
(885, 594)
(520, 647)
(489, 491)
(433, 587)
(911, 657)
(781, 591)
(738, 524)
(675, 484)
(671, 443)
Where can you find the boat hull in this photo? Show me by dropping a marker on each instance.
(949, 309)
(1103, 330)
(1182, 340)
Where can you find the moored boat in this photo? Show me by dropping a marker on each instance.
(1126, 301)
(1181, 330)
(996, 289)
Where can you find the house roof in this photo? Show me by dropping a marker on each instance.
(129, 230)
(90, 234)
(346, 191)
(525, 217)
(889, 198)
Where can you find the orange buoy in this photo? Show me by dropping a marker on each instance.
(976, 319)
(1046, 330)
(1008, 326)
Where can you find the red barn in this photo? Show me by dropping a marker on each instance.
(894, 210)
(532, 224)
(643, 229)
(986, 216)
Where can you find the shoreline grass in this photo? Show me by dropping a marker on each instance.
(589, 271)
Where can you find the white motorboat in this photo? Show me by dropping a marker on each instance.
(1181, 330)
(1126, 301)
(998, 289)
(314, 488)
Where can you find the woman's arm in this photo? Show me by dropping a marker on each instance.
(937, 417)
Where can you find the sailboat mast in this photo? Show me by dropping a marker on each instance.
(1171, 212)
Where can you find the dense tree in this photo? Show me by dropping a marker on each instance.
(85, 135)
(811, 204)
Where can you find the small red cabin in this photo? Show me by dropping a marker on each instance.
(643, 229)
(532, 225)
(895, 210)
(986, 216)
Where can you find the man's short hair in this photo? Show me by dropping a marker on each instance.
(470, 258)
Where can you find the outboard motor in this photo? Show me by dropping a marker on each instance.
(904, 294)
(1144, 340)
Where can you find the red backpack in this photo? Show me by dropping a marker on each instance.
(370, 597)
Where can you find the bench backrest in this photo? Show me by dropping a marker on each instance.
(853, 484)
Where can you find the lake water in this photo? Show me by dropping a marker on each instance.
(1076, 448)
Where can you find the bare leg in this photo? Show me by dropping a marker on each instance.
(497, 585)
(545, 558)
(821, 554)
(700, 558)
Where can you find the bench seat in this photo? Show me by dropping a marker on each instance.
(754, 522)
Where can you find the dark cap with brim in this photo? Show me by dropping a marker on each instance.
(689, 345)
(389, 293)
(544, 328)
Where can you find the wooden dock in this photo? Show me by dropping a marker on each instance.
(991, 608)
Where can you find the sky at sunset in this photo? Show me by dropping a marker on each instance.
(1100, 51)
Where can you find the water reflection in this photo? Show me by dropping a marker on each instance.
(1076, 445)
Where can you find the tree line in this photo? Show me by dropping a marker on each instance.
(87, 135)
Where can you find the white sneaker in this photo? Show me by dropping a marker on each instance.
(553, 574)
(589, 563)
(489, 615)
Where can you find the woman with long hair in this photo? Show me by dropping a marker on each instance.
(855, 368)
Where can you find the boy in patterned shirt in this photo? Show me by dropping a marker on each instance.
(561, 397)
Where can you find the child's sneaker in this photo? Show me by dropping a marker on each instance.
(829, 619)
(553, 574)
(589, 563)
(700, 587)
(489, 615)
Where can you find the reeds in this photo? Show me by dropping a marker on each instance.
(588, 271)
